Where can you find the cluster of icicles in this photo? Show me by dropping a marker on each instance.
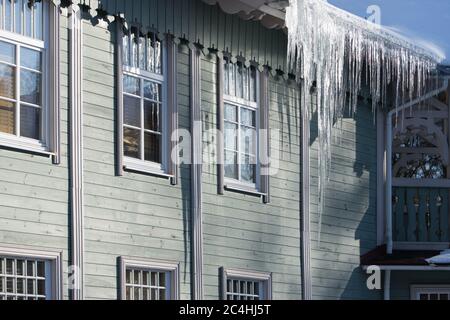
(339, 54)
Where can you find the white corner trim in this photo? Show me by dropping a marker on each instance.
(55, 257)
(159, 265)
(196, 175)
(76, 151)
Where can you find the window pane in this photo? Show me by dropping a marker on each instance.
(7, 117)
(151, 54)
(226, 78)
(31, 286)
(146, 278)
(128, 276)
(41, 287)
(38, 19)
(230, 166)
(132, 111)
(134, 50)
(253, 85)
(41, 269)
(151, 116)
(158, 57)
(142, 48)
(152, 91)
(162, 279)
(8, 15)
(30, 119)
(7, 81)
(136, 276)
(131, 85)
(20, 286)
(30, 59)
(10, 285)
(230, 136)
(248, 117)
(131, 141)
(28, 22)
(136, 294)
(20, 268)
(230, 112)
(152, 147)
(247, 169)
(18, 7)
(7, 52)
(245, 84)
(30, 87)
(248, 140)
(9, 267)
(30, 268)
(239, 83)
(126, 50)
(232, 79)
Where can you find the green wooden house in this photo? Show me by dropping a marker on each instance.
(157, 149)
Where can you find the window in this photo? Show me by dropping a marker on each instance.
(149, 280)
(26, 275)
(24, 103)
(430, 292)
(240, 123)
(246, 285)
(144, 114)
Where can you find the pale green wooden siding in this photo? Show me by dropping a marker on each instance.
(135, 215)
(401, 281)
(34, 192)
(204, 24)
(349, 220)
(239, 230)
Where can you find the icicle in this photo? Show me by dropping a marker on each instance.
(334, 49)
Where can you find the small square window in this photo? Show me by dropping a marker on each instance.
(147, 280)
(246, 285)
(430, 293)
(29, 276)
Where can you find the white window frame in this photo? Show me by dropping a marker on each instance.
(264, 278)
(142, 165)
(15, 141)
(238, 184)
(53, 267)
(171, 268)
(417, 290)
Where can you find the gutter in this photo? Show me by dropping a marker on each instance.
(390, 242)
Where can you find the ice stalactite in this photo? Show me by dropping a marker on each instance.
(338, 54)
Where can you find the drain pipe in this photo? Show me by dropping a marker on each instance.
(390, 242)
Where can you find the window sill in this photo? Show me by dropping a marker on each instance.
(242, 188)
(145, 168)
(24, 145)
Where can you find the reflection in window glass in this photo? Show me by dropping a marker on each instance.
(142, 97)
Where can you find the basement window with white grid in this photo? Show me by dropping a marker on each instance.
(245, 285)
(25, 279)
(148, 284)
(24, 112)
(241, 122)
(144, 114)
(430, 293)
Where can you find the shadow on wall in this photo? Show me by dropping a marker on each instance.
(349, 220)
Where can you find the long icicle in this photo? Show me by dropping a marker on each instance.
(334, 49)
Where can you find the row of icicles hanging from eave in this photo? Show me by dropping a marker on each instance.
(339, 54)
